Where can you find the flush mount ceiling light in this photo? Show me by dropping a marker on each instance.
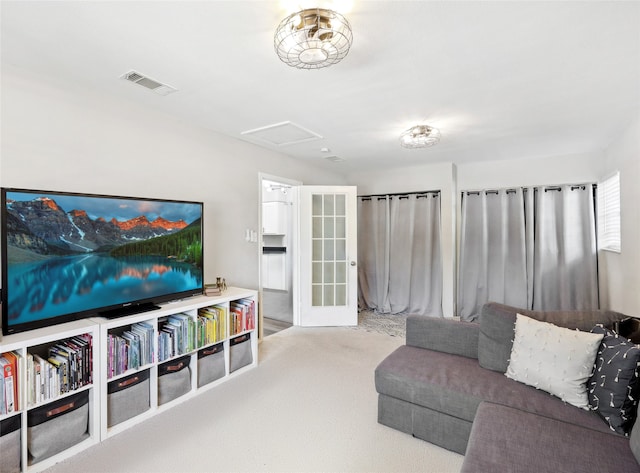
(313, 38)
(420, 136)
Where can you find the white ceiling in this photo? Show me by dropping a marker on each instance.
(501, 80)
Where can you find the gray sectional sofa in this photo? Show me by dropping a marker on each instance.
(447, 385)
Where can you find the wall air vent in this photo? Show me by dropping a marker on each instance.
(148, 83)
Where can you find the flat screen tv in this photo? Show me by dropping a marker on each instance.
(67, 255)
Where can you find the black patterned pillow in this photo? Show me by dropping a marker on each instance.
(614, 387)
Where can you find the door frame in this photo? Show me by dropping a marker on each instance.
(293, 242)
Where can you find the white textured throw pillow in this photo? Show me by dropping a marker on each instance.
(555, 359)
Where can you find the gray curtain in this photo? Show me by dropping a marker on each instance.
(399, 254)
(373, 253)
(493, 251)
(565, 265)
(532, 248)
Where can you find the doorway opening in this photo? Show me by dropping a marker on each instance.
(278, 210)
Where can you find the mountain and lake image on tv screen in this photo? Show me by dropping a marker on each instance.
(70, 253)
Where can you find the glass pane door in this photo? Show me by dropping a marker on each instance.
(328, 248)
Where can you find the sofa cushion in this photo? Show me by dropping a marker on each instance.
(455, 385)
(555, 359)
(507, 439)
(614, 387)
(497, 323)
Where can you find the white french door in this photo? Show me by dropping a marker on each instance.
(327, 257)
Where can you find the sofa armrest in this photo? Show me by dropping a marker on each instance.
(443, 335)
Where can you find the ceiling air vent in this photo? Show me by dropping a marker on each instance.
(148, 83)
(334, 159)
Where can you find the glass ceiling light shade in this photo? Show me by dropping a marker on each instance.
(420, 136)
(313, 38)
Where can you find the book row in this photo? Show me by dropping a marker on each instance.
(212, 326)
(9, 389)
(51, 371)
(242, 315)
(130, 349)
(67, 366)
(180, 333)
(176, 336)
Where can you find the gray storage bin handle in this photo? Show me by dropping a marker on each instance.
(128, 382)
(60, 409)
(177, 367)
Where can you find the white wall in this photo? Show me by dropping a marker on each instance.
(68, 139)
(620, 273)
(549, 170)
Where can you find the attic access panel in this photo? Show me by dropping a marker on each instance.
(282, 134)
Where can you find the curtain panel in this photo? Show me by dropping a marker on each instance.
(399, 254)
(373, 253)
(530, 247)
(565, 265)
(493, 251)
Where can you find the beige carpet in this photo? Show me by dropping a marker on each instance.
(310, 405)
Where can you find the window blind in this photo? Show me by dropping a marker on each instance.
(609, 214)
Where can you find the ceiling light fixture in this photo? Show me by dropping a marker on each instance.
(313, 38)
(420, 136)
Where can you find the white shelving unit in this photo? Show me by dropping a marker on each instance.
(189, 307)
(100, 328)
(37, 340)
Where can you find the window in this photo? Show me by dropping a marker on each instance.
(609, 214)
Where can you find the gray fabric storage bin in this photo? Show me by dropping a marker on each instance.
(240, 353)
(127, 397)
(10, 445)
(174, 379)
(210, 364)
(57, 426)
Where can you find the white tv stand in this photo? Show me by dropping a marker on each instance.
(37, 341)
